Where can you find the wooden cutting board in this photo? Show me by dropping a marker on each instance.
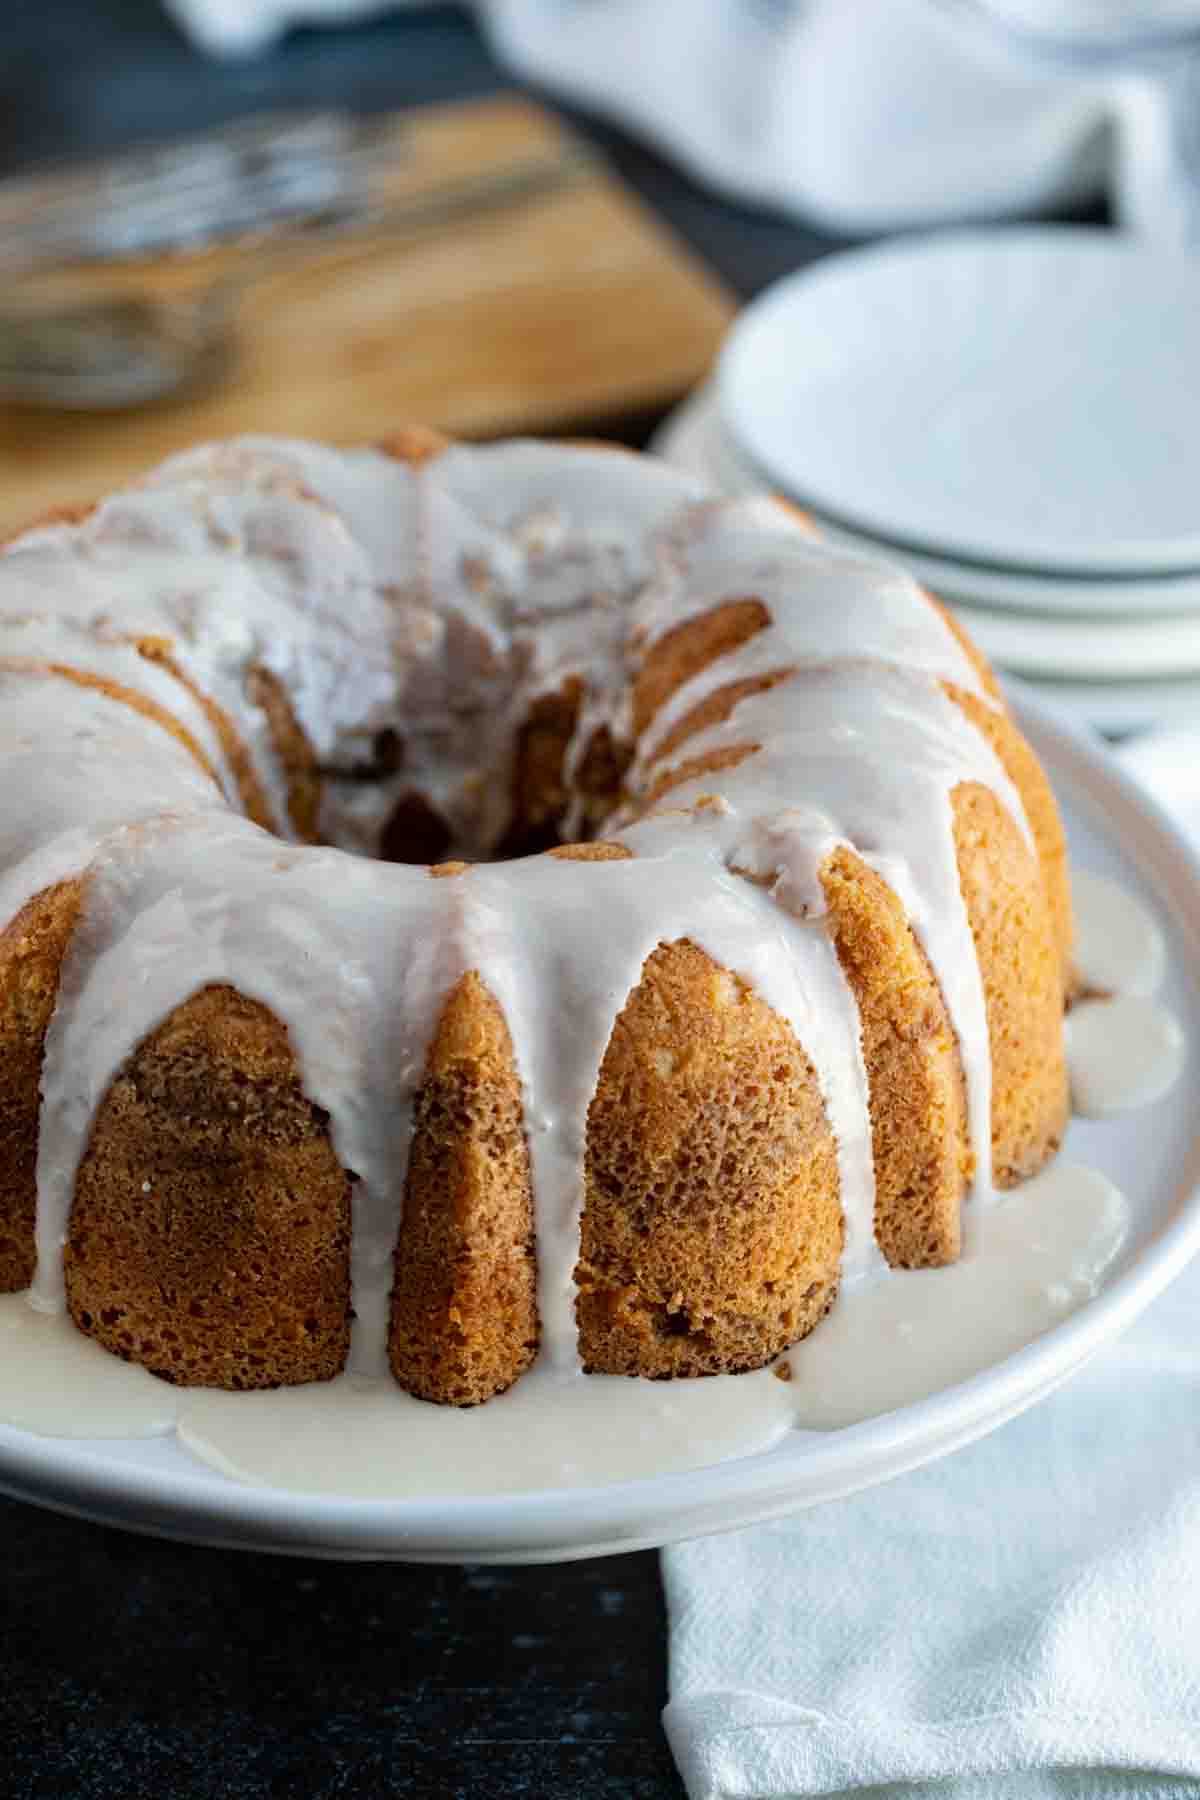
(565, 312)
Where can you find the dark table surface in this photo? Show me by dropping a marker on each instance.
(131, 1668)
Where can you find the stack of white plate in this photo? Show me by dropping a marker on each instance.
(1014, 415)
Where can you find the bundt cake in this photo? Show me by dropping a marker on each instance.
(466, 905)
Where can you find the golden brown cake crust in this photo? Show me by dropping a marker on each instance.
(210, 1236)
(541, 793)
(413, 444)
(712, 1231)
(54, 515)
(32, 947)
(250, 790)
(296, 758)
(1022, 982)
(464, 1307)
(689, 648)
(918, 1102)
(1041, 810)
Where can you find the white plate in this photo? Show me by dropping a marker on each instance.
(1166, 762)
(1120, 708)
(154, 1486)
(692, 439)
(696, 439)
(1025, 397)
(1092, 650)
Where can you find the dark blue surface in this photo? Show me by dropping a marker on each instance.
(138, 1670)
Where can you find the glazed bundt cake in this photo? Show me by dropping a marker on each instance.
(466, 905)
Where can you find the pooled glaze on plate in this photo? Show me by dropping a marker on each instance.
(1031, 1258)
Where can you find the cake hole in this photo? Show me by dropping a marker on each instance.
(415, 833)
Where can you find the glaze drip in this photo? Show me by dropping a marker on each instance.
(435, 603)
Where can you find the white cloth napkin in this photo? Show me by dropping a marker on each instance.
(1021, 1621)
(864, 116)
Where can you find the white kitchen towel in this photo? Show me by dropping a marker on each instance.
(862, 116)
(1019, 1622)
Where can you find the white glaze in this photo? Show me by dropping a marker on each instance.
(103, 768)
(59, 643)
(311, 935)
(1120, 1053)
(59, 1383)
(1124, 1049)
(1118, 947)
(1029, 1262)
(438, 603)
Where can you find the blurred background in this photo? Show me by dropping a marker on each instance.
(325, 217)
(81, 79)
